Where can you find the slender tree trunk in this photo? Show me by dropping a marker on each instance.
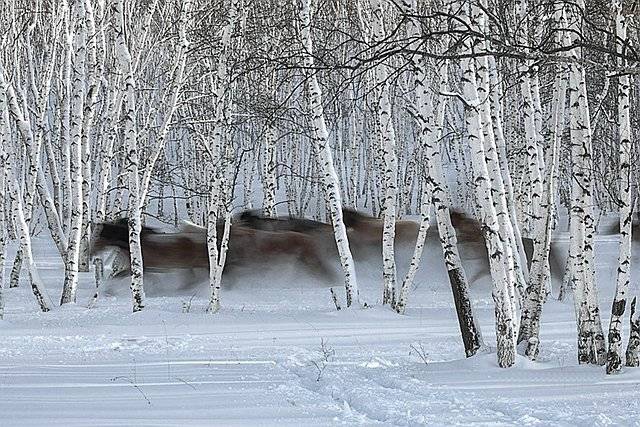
(614, 354)
(77, 111)
(8, 159)
(431, 123)
(131, 160)
(327, 169)
(633, 347)
(503, 288)
(389, 163)
(540, 274)
(269, 171)
(591, 343)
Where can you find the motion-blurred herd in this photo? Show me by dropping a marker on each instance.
(256, 240)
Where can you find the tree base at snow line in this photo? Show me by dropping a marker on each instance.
(614, 360)
(99, 277)
(506, 348)
(470, 335)
(213, 308)
(529, 347)
(533, 348)
(633, 348)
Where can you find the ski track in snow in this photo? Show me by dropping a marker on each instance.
(259, 361)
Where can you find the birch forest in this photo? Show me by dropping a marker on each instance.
(518, 116)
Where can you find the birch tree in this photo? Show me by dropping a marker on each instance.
(219, 188)
(431, 123)
(540, 274)
(506, 322)
(591, 345)
(614, 357)
(325, 157)
(8, 159)
(79, 46)
(132, 159)
(389, 162)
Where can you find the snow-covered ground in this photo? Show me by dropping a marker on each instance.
(279, 353)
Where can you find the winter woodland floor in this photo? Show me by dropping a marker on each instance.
(279, 354)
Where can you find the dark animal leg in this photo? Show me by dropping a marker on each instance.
(316, 265)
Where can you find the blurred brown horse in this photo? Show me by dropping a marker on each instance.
(187, 248)
(363, 231)
(472, 244)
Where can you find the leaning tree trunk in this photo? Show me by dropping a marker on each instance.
(327, 169)
(409, 278)
(431, 123)
(514, 272)
(8, 158)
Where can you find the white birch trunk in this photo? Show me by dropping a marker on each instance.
(515, 274)
(4, 218)
(8, 159)
(431, 126)
(269, 171)
(131, 159)
(503, 289)
(327, 169)
(217, 256)
(93, 78)
(633, 347)
(614, 354)
(77, 111)
(389, 163)
(409, 278)
(218, 168)
(540, 274)
(591, 345)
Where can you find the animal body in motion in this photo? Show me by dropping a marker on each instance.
(256, 239)
(187, 248)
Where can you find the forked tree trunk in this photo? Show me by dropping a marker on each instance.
(540, 274)
(506, 321)
(219, 191)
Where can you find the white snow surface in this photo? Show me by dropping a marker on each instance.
(278, 353)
